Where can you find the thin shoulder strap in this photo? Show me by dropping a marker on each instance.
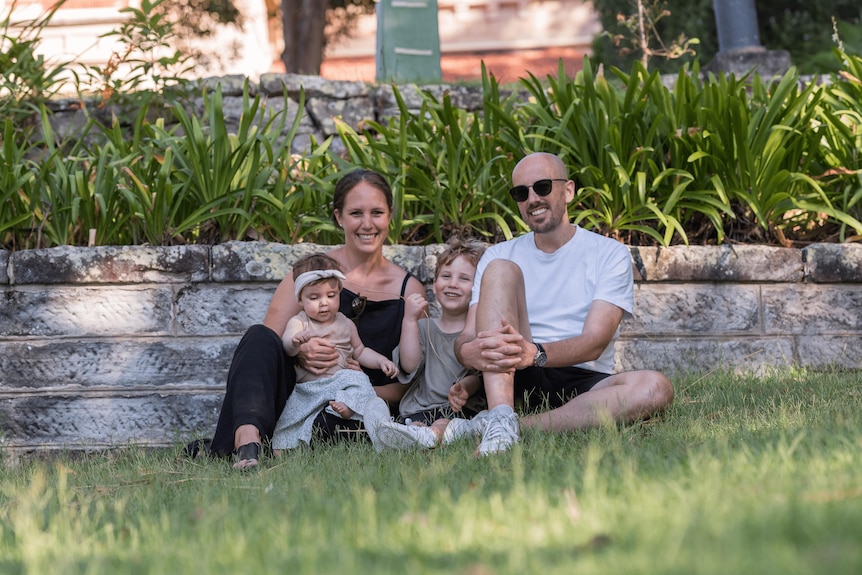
(404, 284)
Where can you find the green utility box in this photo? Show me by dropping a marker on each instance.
(408, 42)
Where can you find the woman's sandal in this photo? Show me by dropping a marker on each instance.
(198, 449)
(247, 456)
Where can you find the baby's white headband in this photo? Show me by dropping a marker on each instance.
(306, 278)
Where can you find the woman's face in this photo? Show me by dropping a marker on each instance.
(365, 218)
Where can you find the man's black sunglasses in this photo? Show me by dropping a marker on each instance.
(541, 187)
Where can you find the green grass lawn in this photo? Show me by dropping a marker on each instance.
(742, 475)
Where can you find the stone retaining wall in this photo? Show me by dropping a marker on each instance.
(325, 101)
(110, 346)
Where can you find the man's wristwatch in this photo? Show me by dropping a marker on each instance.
(541, 357)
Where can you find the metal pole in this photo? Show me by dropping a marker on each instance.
(736, 21)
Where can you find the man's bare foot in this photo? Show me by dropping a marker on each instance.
(341, 409)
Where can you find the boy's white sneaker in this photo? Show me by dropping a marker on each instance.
(458, 427)
(399, 436)
(499, 434)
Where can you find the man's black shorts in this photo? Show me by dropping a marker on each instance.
(542, 388)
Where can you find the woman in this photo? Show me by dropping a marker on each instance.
(262, 376)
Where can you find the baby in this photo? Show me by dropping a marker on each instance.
(341, 390)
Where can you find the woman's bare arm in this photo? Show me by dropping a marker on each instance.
(282, 307)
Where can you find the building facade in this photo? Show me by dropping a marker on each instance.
(510, 36)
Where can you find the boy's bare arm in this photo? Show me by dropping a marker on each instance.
(410, 346)
(462, 390)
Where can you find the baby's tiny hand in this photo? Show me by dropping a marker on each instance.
(301, 337)
(389, 368)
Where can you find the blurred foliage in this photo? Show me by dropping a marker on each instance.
(803, 28)
(704, 159)
(27, 78)
(192, 19)
(341, 18)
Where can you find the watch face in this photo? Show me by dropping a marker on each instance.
(541, 357)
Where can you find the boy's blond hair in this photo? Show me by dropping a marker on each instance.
(470, 249)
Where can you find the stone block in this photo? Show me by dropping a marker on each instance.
(827, 352)
(231, 85)
(429, 267)
(314, 86)
(306, 143)
(97, 422)
(287, 111)
(4, 266)
(70, 121)
(694, 355)
(694, 309)
(387, 104)
(747, 60)
(262, 261)
(257, 261)
(737, 263)
(812, 309)
(139, 364)
(111, 264)
(834, 263)
(467, 98)
(221, 310)
(86, 311)
(353, 112)
(282, 109)
(411, 259)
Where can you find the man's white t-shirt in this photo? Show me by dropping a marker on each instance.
(560, 287)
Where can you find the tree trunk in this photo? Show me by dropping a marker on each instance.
(303, 22)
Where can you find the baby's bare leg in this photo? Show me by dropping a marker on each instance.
(438, 427)
(341, 409)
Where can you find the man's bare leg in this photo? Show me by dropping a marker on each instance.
(621, 398)
(502, 300)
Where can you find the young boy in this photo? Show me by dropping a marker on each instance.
(439, 385)
(347, 392)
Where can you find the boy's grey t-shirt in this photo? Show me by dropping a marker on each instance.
(438, 369)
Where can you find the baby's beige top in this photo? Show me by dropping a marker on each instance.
(338, 332)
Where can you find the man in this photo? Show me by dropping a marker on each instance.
(545, 312)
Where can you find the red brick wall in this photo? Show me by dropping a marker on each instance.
(507, 67)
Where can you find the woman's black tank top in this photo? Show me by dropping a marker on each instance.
(379, 326)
